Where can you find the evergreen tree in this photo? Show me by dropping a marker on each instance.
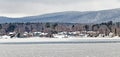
(11, 28)
(47, 25)
(86, 27)
(54, 25)
(0, 26)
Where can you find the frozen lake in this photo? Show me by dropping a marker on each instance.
(61, 50)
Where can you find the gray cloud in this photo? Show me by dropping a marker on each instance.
(30, 6)
(46, 1)
(36, 7)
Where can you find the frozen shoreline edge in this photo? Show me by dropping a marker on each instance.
(58, 40)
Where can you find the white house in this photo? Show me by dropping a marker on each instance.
(111, 34)
(60, 36)
(5, 37)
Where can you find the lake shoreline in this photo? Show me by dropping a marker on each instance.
(58, 40)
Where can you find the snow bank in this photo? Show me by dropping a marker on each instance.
(81, 40)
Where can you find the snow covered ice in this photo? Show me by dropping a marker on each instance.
(60, 50)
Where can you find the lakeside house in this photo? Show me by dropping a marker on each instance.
(5, 37)
(60, 35)
(78, 34)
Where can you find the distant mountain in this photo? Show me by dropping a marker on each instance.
(70, 17)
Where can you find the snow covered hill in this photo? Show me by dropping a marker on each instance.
(71, 17)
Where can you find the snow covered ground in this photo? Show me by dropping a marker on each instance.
(60, 50)
(75, 47)
(60, 40)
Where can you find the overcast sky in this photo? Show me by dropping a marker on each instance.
(20, 8)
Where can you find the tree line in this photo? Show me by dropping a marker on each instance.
(103, 28)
